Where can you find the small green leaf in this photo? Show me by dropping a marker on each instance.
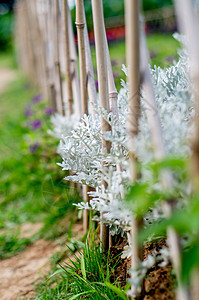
(116, 290)
(81, 294)
(83, 266)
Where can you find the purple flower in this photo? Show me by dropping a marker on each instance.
(152, 54)
(49, 111)
(28, 112)
(114, 62)
(36, 124)
(170, 58)
(37, 99)
(115, 75)
(96, 84)
(33, 147)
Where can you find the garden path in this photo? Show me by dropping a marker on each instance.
(6, 77)
(20, 273)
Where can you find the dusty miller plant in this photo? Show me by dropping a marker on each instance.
(81, 145)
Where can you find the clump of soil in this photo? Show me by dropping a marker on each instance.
(121, 272)
(158, 284)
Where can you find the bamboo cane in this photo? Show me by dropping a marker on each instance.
(74, 69)
(43, 12)
(159, 153)
(37, 70)
(58, 78)
(133, 63)
(189, 25)
(92, 94)
(50, 32)
(101, 52)
(80, 23)
(67, 57)
(113, 94)
(40, 49)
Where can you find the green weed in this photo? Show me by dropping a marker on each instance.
(89, 274)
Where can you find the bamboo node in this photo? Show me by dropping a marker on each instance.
(113, 95)
(80, 25)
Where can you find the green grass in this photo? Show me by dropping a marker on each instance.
(89, 275)
(32, 188)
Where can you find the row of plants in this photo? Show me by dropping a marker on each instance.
(130, 152)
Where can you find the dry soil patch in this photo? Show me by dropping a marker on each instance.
(6, 76)
(19, 273)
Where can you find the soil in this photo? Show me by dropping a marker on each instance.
(27, 230)
(6, 76)
(159, 283)
(20, 273)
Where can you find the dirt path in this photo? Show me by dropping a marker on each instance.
(6, 76)
(19, 273)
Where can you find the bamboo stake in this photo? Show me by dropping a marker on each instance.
(189, 25)
(58, 78)
(133, 63)
(51, 64)
(80, 23)
(33, 47)
(90, 73)
(43, 12)
(159, 153)
(98, 23)
(67, 57)
(74, 69)
(113, 94)
(40, 49)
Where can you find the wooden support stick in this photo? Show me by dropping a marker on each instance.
(74, 69)
(133, 63)
(189, 26)
(101, 55)
(92, 94)
(113, 94)
(67, 57)
(159, 153)
(58, 78)
(80, 23)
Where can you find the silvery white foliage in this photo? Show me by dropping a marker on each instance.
(81, 152)
(161, 258)
(81, 149)
(62, 125)
(174, 101)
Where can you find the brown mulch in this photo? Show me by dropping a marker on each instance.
(159, 283)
